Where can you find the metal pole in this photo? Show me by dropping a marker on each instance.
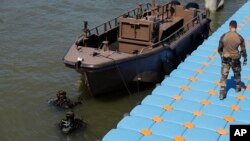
(153, 3)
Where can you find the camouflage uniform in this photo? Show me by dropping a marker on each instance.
(230, 57)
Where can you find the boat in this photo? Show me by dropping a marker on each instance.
(142, 45)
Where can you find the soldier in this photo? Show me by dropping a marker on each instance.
(230, 57)
(63, 101)
(71, 123)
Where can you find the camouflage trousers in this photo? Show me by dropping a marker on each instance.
(228, 63)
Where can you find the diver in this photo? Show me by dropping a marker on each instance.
(71, 123)
(62, 101)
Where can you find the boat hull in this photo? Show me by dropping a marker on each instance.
(123, 75)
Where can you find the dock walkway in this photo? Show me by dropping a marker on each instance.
(186, 105)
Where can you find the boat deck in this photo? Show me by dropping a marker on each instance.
(100, 58)
(186, 105)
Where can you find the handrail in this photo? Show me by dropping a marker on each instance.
(113, 23)
(198, 16)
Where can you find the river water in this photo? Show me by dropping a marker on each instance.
(34, 36)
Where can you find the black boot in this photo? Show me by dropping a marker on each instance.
(222, 95)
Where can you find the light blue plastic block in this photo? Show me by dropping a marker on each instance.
(177, 116)
(190, 66)
(186, 105)
(167, 129)
(122, 135)
(157, 100)
(213, 39)
(183, 73)
(205, 48)
(194, 95)
(246, 68)
(216, 62)
(166, 91)
(146, 111)
(135, 123)
(245, 37)
(155, 138)
(213, 69)
(223, 29)
(196, 59)
(175, 81)
(218, 57)
(209, 122)
(216, 111)
(209, 77)
(227, 102)
(245, 77)
(242, 115)
(200, 134)
(246, 28)
(224, 137)
(212, 44)
(202, 86)
(247, 93)
(235, 123)
(202, 53)
(244, 33)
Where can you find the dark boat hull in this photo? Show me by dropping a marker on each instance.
(120, 76)
(145, 68)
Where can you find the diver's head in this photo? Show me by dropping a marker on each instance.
(61, 93)
(70, 115)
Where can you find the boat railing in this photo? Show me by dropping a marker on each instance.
(112, 24)
(174, 36)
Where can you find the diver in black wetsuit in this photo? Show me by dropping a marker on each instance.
(71, 123)
(62, 101)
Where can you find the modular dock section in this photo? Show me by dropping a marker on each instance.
(186, 106)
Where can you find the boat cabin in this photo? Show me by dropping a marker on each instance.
(139, 29)
(137, 33)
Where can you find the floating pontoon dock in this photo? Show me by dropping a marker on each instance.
(186, 105)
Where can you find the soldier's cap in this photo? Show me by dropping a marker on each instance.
(233, 23)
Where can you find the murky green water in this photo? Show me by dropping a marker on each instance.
(34, 36)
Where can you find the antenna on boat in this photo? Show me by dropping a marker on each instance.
(153, 7)
(85, 31)
(105, 44)
(153, 3)
(139, 13)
